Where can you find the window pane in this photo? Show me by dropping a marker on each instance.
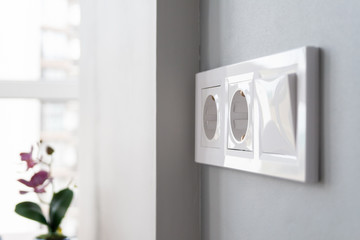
(59, 129)
(39, 40)
(20, 40)
(60, 39)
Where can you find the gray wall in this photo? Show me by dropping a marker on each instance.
(242, 206)
(177, 175)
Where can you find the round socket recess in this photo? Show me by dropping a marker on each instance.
(239, 115)
(210, 118)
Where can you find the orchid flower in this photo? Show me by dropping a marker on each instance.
(60, 201)
(37, 182)
(27, 157)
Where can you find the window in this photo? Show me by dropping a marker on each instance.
(39, 54)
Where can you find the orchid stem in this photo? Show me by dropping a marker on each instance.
(71, 181)
(41, 200)
(50, 173)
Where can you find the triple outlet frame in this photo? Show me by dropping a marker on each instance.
(261, 115)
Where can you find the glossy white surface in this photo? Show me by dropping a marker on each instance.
(277, 112)
(274, 101)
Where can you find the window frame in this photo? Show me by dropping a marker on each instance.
(43, 90)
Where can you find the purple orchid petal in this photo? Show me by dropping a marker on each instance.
(36, 180)
(39, 178)
(27, 157)
(30, 164)
(23, 192)
(27, 183)
(41, 189)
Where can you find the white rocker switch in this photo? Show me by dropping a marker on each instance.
(278, 108)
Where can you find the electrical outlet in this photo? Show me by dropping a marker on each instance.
(240, 126)
(211, 117)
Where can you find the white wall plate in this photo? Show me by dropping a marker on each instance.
(261, 115)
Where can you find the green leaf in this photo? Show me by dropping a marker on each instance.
(58, 207)
(30, 210)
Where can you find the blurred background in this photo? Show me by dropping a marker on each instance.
(39, 71)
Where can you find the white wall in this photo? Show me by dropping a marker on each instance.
(238, 205)
(118, 120)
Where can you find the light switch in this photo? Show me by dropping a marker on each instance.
(277, 108)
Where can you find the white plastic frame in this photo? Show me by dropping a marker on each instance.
(300, 164)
